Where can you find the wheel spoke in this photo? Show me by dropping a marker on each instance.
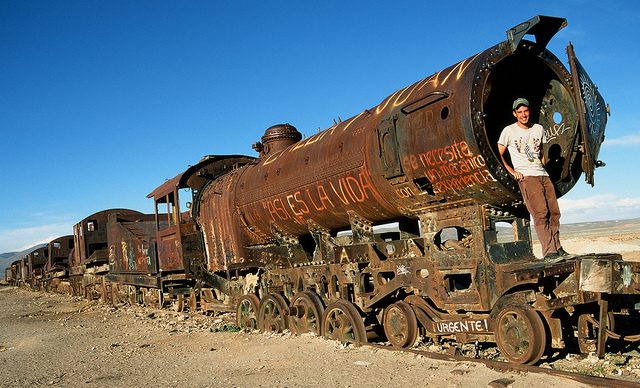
(343, 322)
(520, 334)
(400, 324)
(307, 310)
(247, 312)
(271, 313)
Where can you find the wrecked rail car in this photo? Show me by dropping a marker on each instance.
(147, 254)
(56, 270)
(301, 230)
(90, 259)
(398, 222)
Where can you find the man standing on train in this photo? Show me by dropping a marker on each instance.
(524, 141)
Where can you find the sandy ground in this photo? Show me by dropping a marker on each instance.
(58, 340)
(628, 245)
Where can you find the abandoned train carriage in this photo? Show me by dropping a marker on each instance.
(34, 263)
(147, 253)
(14, 273)
(56, 270)
(295, 229)
(90, 259)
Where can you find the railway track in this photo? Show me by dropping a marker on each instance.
(501, 366)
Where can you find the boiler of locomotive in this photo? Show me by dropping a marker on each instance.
(428, 144)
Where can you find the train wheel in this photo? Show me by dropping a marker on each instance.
(154, 297)
(588, 331)
(129, 294)
(400, 324)
(116, 299)
(247, 312)
(342, 321)
(306, 313)
(520, 334)
(271, 314)
(178, 304)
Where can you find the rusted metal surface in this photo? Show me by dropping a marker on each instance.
(209, 181)
(168, 225)
(90, 236)
(16, 272)
(56, 270)
(132, 250)
(432, 142)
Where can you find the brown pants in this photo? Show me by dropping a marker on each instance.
(540, 198)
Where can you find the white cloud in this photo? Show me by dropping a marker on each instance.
(599, 208)
(20, 239)
(43, 241)
(626, 141)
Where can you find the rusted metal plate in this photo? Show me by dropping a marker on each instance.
(592, 114)
(132, 244)
(175, 229)
(90, 257)
(149, 280)
(610, 275)
(431, 142)
(34, 264)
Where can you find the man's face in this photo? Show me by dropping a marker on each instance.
(522, 114)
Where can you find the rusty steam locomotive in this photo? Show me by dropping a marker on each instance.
(398, 222)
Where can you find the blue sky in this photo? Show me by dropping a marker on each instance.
(101, 101)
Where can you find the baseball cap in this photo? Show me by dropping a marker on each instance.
(520, 101)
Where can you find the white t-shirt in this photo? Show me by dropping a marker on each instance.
(524, 148)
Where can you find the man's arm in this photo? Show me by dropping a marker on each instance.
(517, 175)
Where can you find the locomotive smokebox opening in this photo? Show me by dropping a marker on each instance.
(542, 80)
(279, 137)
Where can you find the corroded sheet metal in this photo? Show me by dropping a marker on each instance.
(219, 223)
(431, 142)
(605, 274)
(132, 244)
(172, 226)
(302, 217)
(151, 280)
(592, 114)
(168, 225)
